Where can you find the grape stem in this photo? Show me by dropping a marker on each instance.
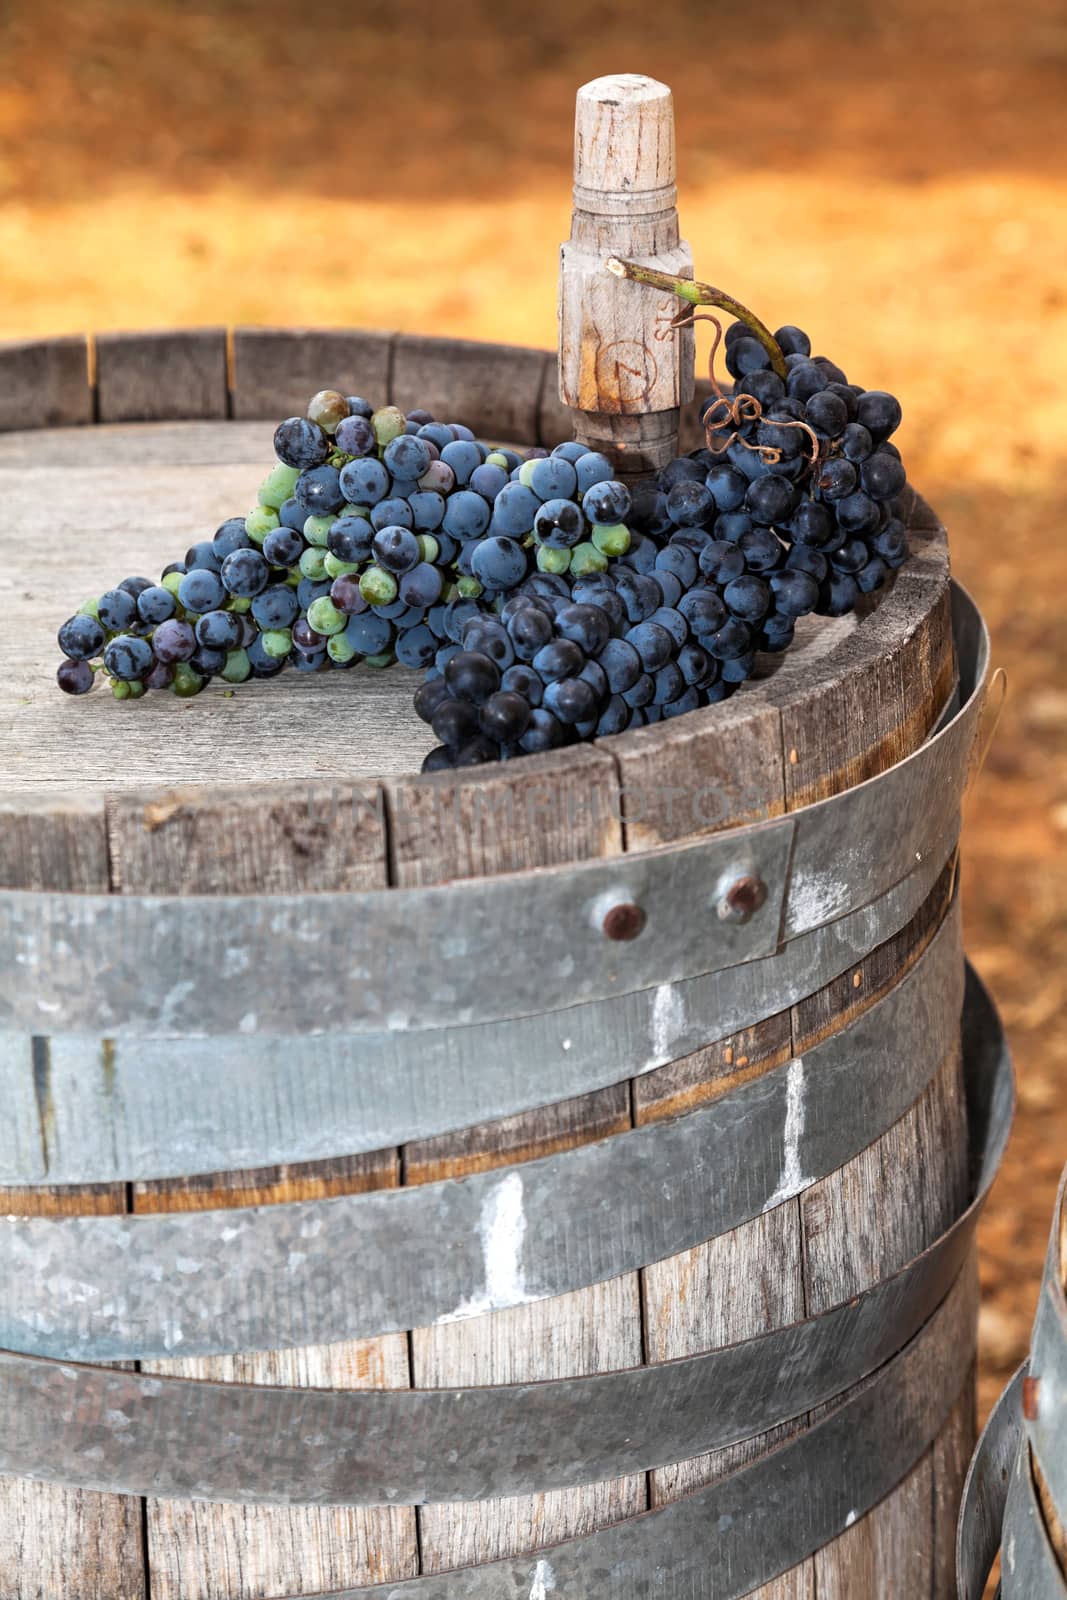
(702, 294)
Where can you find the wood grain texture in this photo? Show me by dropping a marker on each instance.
(199, 1550)
(494, 388)
(593, 1330)
(277, 370)
(157, 377)
(300, 837)
(55, 1542)
(58, 839)
(44, 383)
(622, 369)
(563, 806)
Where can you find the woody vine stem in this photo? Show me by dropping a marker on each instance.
(702, 294)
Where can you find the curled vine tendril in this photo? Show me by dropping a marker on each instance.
(727, 415)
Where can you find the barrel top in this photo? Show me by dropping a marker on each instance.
(117, 500)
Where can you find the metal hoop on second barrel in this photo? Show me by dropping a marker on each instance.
(118, 964)
(1023, 1441)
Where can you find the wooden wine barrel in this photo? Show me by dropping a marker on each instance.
(510, 1257)
(1016, 1493)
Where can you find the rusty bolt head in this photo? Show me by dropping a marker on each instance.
(1031, 1386)
(742, 899)
(623, 921)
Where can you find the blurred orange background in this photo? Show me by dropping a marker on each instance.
(889, 176)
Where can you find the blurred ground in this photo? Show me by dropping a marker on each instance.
(890, 176)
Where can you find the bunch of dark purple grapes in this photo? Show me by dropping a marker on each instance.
(546, 602)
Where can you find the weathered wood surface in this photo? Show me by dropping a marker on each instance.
(162, 377)
(622, 369)
(44, 383)
(277, 370)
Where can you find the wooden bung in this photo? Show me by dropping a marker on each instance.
(622, 369)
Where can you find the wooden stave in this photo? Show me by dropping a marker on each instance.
(929, 660)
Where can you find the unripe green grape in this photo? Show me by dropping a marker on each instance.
(237, 668)
(526, 472)
(324, 617)
(313, 563)
(384, 659)
(338, 648)
(327, 408)
(468, 588)
(355, 511)
(136, 690)
(172, 582)
(260, 522)
(277, 486)
(239, 603)
(277, 643)
(378, 587)
(120, 689)
(335, 568)
(186, 681)
(586, 558)
(429, 549)
(90, 608)
(611, 539)
(317, 529)
(495, 459)
(549, 560)
(388, 423)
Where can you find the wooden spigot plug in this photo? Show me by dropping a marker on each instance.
(622, 370)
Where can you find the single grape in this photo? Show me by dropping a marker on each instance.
(364, 482)
(75, 676)
(218, 630)
(283, 547)
(127, 657)
(498, 563)
(520, 678)
(748, 597)
(396, 548)
(201, 590)
(300, 443)
(245, 572)
(857, 513)
(276, 607)
(882, 476)
(745, 355)
(378, 587)
(230, 536)
(505, 716)
(795, 593)
(489, 637)
(117, 610)
(416, 646)
(407, 456)
(879, 412)
(726, 486)
(703, 609)
(355, 436)
(792, 341)
(690, 503)
(80, 637)
(836, 478)
(721, 561)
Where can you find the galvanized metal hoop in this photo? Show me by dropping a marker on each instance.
(210, 1282)
(215, 1441)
